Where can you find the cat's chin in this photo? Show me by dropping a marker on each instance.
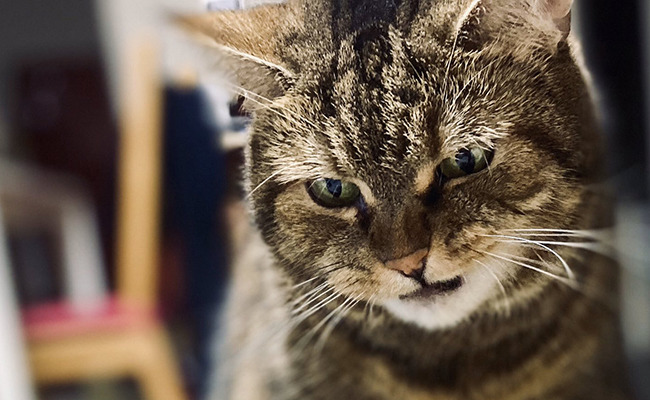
(443, 304)
(436, 289)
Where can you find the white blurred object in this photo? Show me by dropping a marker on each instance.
(212, 5)
(125, 24)
(237, 4)
(633, 236)
(231, 140)
(31, 197)
(84, 267)
(255, 3)
(15, 382)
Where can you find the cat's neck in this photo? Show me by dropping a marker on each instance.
(471, 355)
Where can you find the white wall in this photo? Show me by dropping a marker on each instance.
(125, 23)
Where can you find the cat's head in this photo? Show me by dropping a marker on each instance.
(408, 152)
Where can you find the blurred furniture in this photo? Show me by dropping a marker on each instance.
(62, 121)
(119, 335)
(52, 207)
(14, 378)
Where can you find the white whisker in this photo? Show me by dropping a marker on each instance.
(322, 271)
(305, 282)
(559, 234)
(281, 170)
(596, 247)
(457, 31)
(366, 308)
(332, 324)
(269, 105)
(257, 60)
(568, 282)
(318, 305)
(310, 293)
(533, 242)
(305, 339)
(372, 307)
(577, 232)
(501, 287)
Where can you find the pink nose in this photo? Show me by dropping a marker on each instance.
(411, 265)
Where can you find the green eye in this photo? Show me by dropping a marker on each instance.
(465, 162)
(333, 192)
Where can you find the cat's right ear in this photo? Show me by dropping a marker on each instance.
(245, 41)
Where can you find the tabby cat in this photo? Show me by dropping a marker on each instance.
(423, 177)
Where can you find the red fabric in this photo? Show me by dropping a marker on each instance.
(59, 320)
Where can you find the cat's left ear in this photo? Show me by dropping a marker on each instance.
(521, 24)
(559, 11)
(246, 43)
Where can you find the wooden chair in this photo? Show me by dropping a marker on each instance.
(122, 336)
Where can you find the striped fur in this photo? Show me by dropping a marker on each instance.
(379, 92)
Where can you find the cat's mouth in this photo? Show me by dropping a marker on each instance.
(435, 289)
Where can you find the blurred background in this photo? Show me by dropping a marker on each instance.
(120, 197)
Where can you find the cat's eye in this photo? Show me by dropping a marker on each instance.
(333, 192)
(465, 162)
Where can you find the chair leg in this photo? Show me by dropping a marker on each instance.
(158, 375)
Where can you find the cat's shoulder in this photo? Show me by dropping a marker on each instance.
(248, 355)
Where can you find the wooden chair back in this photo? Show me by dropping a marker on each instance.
(139, 177)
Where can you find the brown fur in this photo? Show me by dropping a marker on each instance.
(378, 93)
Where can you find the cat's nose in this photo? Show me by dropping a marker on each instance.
(411, 265)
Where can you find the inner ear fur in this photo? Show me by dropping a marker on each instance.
(560, 11)
(525, 23)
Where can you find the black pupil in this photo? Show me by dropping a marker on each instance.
(334, 186)
(465, 161)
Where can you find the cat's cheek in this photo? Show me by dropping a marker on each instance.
(303, 224)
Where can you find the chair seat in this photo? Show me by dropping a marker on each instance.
(53, 321)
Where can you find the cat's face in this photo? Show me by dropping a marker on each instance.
(413, 152)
